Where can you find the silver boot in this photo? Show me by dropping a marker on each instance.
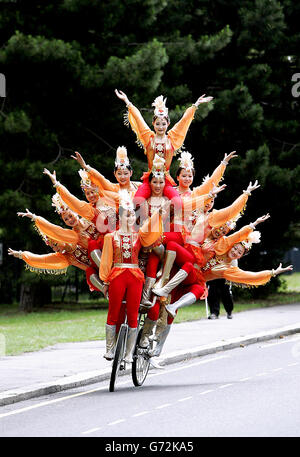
(161, 339)
(131, 339)
(110, 332)
(147, 332)
(168, 264)
(147, 290)
(96, 281)
(96, 256)
(160, 252)
(185, 300)
(177, 279)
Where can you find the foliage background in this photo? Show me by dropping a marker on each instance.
(62, 61)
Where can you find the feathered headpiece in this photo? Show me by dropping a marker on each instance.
(158, 167)
(186, 161)
(160, 108)
(86, 182)
(254, 237)
(122, 160)
(59, 205)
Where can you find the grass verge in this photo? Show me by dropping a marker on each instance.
(48, 326)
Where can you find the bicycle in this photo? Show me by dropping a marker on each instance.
(141, 359)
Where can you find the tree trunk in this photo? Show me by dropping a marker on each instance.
(34, 296)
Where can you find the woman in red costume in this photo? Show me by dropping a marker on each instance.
(120, 272)
(159, 142)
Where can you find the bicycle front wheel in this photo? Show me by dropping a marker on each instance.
(119, 355)
(140, 364)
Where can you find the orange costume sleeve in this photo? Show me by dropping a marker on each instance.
(56, 262)
(208, 185)
(80, 207)
(55, 232)
(218, 217)
(178, 133)
(193, 203)
(99, 180)
(236, 275)
(139, 126)
(107, 257)
(225, 243)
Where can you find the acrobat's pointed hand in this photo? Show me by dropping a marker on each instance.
(79, 159)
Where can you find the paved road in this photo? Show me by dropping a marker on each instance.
(249, 391)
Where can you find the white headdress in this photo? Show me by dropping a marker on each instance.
(186, 161)
(158, 167)
(254, 237)
(59, 204)
(122, 160)
(160, 108)
(86, 182)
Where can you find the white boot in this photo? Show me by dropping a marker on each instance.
(185, 300)
(147, 290)
(96, 281)
(177, 279)
(160, 252)
(131, 339)
(96, 256)
(161, 339)
(168, 264)
(110, 331)
(147, 332)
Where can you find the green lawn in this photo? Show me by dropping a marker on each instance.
(46, 327)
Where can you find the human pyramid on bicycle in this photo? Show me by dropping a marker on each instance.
(152, 245)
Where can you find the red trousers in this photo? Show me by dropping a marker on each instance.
(124, 287)
(153, 260)
(91, 271)
(95, 244)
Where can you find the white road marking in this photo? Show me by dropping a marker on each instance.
(92, 430)
(184, 399)
(163, 406)
(116, 422)
(140, 414)
(225, 385)
(68, 397)
(261, 374)
(206, 392)
(245, 379)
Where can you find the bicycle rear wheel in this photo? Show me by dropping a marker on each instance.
(119, 355)
(140, 364)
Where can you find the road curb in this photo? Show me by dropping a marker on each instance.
(92, 377)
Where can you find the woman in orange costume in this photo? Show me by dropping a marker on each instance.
(159, 142)
(97, 210)
(58, 262)
(186, 172)
(81, 232)
(222, 266)
(123, 172)
(121, 274)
